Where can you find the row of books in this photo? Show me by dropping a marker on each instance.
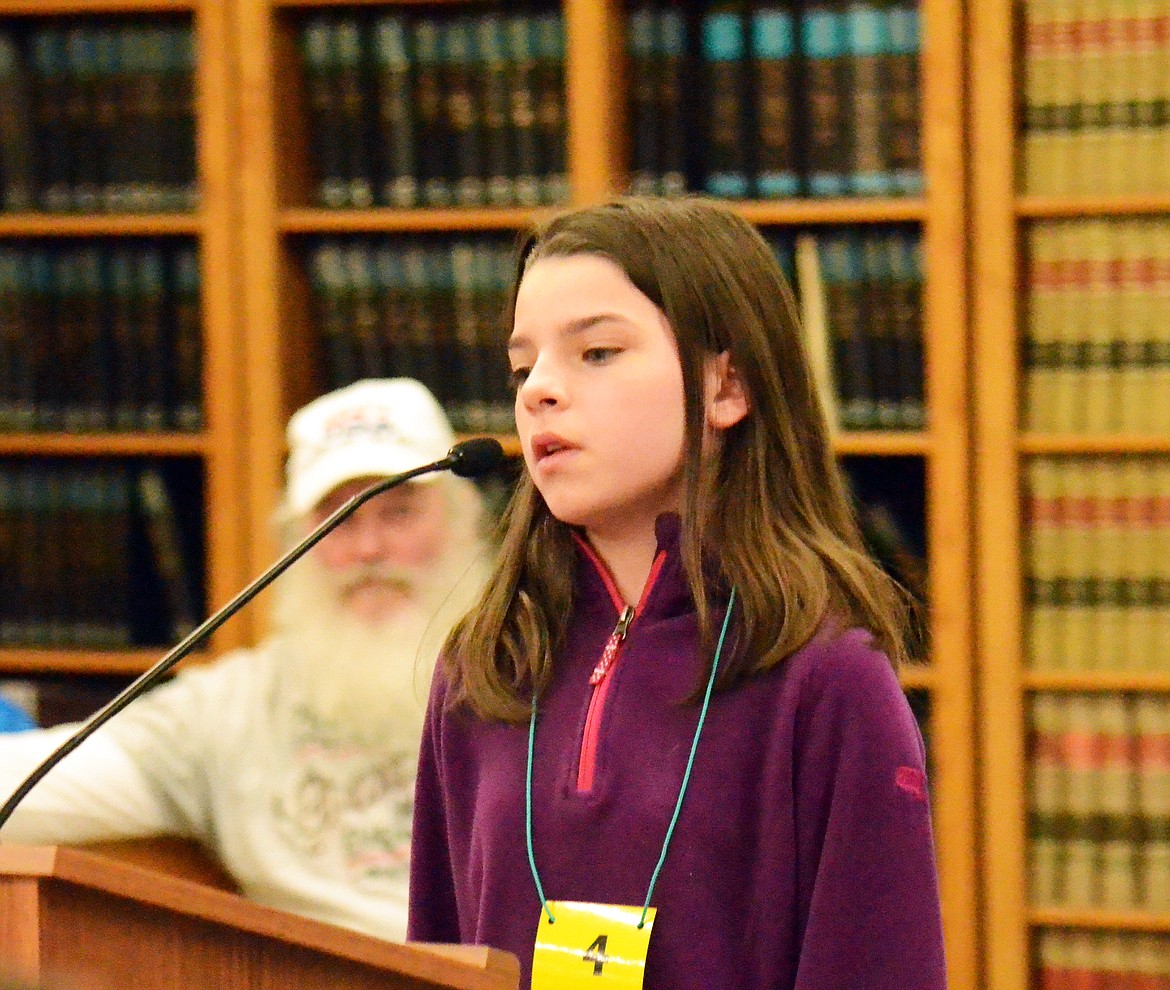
(1095, 97)
(424, 308)
(102, 335)
(431, 308)
(1079, 959)
(1099, 801)
(101, 554)
(1097, 561)
(1097, 344)
(97, 117)
(802, 98)
(861, 297)
(410, 111)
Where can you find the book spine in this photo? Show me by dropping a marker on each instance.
(464, 111)
(521, 47)
(728, 136)
(825, 66)
(490, 44)
(18, 164)
(353, 84)
(396, 143)
(551, 124)
(675, 79)
(318, 53)
(436, 152)
(901, 87)
(773, 47)
(642, 97)
(186, 357)
(869, 49)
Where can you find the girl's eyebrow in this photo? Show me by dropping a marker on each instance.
(571, 329)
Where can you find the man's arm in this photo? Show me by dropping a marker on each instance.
(96, 792)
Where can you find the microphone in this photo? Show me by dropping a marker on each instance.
(467, 459)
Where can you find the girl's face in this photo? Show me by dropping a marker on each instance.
(599, 401)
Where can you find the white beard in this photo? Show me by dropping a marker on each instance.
(369, 681)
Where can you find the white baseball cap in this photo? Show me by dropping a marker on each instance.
(372, 428)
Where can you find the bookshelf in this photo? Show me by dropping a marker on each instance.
(213, 447)
(1113, 930)
(278, 214)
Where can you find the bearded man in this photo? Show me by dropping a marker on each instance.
(293, 763)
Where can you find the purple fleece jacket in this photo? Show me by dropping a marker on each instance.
(802, 857)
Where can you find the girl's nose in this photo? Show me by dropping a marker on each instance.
(542, 386)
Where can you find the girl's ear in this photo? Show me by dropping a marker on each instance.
(726, 399)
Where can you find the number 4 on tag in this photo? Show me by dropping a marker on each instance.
(570, 955)
(596, 954)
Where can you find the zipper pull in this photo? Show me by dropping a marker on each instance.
(609, 654)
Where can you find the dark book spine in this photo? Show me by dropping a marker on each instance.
(318, 51)
(328, 279)
(497, 137)
(10, 549)
(435, 148)
(54, 147)
(178, 179)
(396, 141)
(390, 277)
(675, 72)
(845, 301)
(15, 404)
(642, 96)
(153, 387)
(825, 75)
(357, 115)
(186, 358)
(724, 50)
(419, 350)
(869, 45)
(18, 164)
(773, 45)
(879, 328)
(463, 371)
(41, 313)
(903, 102)
(143, 59)
(522, 99)
(124, 337)
(441, 291)
(907, 276)
(108, 113)
(364, 323)
(463, 110)
(549, 76)
(501, 406)
(88, 164)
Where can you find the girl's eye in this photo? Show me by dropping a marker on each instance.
(517, 376)
(599, 355)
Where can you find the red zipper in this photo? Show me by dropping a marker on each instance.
(600, 677)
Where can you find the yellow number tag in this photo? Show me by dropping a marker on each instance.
(598, 946)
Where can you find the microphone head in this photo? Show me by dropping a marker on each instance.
(475, 456)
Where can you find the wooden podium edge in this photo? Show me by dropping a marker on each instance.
(95, 869)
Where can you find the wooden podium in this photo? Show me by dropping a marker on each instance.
(155, 916)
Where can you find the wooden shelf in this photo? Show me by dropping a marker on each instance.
(1118, 443)
(1118, 921)
(1061, 207)
(879, 443)
(800, 212)
(99, 224)
(90, 7)
(1097, 681)
(310, 220)
(103, 444)
(129, 663)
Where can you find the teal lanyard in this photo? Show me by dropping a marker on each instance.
(681, 791)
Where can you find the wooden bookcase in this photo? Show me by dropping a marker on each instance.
(274, 199)
(1001, 213)
(212, 226)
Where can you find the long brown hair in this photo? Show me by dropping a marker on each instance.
(765, 509)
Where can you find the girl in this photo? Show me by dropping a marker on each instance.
(671, 734)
